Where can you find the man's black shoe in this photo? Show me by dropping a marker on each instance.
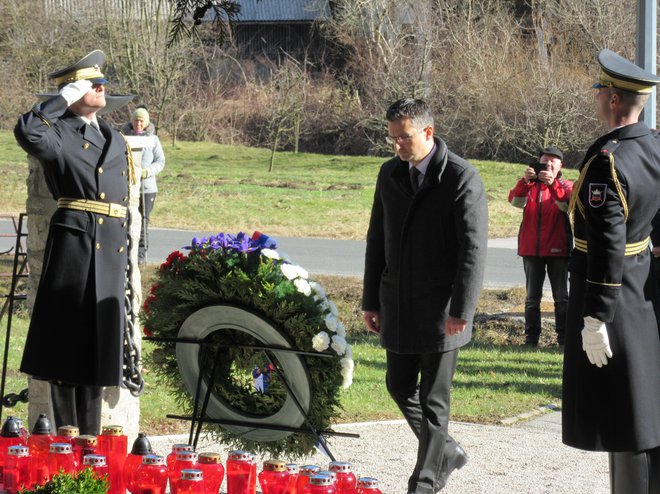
(455, 458)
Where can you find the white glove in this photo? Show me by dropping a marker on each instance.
(73, 91)
(595, 341)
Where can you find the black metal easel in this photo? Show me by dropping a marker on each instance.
(199, 417)
(19, 271)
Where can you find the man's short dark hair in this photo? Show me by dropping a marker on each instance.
(634, 101)
(415, 109)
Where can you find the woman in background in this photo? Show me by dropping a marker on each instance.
(153, 162)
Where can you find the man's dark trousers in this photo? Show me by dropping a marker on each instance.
(420, 385)
(535, 268)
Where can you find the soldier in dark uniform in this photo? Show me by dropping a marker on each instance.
(655, 239)
(611, 387)
(75, 339)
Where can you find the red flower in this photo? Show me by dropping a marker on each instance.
(147, 331)
(173, 259)
(146, 306)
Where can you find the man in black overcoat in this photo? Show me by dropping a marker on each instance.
(611, 385)
(75, 339)
(425, 259)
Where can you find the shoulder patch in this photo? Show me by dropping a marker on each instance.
(597, 195)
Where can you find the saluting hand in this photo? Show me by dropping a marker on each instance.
(73, 91)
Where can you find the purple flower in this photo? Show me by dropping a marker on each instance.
(240, 243)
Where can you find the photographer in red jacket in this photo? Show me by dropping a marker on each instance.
(544, 240)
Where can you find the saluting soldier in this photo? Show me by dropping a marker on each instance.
(611, 392)
(75, 339)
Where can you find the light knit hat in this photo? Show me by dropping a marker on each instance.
(143, 115)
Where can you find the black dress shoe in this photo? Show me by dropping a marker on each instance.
(454, 459)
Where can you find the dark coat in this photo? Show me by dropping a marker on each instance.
(426, 252)
(76, 330)
(615, 407)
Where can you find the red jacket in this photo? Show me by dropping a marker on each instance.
(545, 229)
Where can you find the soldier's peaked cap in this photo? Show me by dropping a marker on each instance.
(620, 73)
(88, 67)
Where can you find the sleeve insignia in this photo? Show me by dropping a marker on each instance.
(597, 195)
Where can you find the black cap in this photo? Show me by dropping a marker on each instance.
(42, 425)
(88, 67)
(141, 445)
(553, 151)
(620, 73)
(10, 428)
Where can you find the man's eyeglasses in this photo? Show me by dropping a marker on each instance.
(391, 140)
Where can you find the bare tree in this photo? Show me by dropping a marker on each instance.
(289, 83)
(221, 13)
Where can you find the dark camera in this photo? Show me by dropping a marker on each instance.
(538, 168)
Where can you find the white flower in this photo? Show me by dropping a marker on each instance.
(302, 273)
(341, 330)
(333, 308)
(338, 344)
(331, 322)
(347, 366)
(270, 253)
(321, 341)
(349, 352)
(302, 286)
(290, 271)
(319, 292)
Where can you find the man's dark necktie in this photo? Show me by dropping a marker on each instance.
(414, 178)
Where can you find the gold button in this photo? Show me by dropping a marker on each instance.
(98, 245)
(100, 220)
(614, 141)
(102, 195)
(120, 249)
(86, 145)
(125, 199)
(123, 173)
(123, 224)
(100, 169)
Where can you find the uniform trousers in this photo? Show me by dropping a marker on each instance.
(635, 473)
(77, 405)
(420, 385)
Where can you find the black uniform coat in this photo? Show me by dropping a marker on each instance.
(615, 407)
(426, 252)
(76, 330)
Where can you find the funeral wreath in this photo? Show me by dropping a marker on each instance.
(263, 336)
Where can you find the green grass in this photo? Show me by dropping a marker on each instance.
(214, 187)
(492, 382)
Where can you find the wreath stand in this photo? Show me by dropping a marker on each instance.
(200, 417)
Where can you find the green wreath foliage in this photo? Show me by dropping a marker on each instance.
(239, 271)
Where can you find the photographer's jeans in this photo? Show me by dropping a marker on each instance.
(535, 269)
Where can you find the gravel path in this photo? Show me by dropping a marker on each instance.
(525, 458)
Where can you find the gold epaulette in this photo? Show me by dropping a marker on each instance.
(131, 164)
